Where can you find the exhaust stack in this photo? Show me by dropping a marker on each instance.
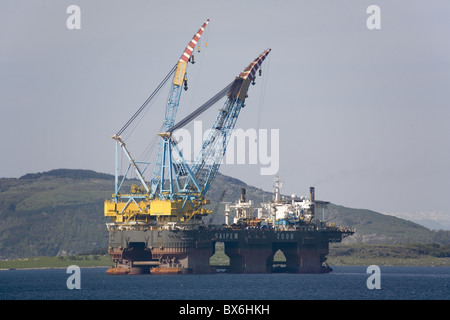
(312, 198)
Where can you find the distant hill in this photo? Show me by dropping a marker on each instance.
(376, 228)
(76, 174)
(430, 219)
(60, 212)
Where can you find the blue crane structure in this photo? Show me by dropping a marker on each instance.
(177, 190)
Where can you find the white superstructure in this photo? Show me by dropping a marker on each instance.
(278, 212)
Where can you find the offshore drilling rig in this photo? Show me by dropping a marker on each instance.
(157, 227)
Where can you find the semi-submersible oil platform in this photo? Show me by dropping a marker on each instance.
(158, 226)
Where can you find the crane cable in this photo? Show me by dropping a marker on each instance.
(262, 96)
(202, 108)
(147, 101)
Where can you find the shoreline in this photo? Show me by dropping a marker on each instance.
(49, 268)
(332, 266)
(339, 255)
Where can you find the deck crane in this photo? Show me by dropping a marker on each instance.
(177, 192)
(160, 167)
(208, 161)
(199, 177)
(179, 78)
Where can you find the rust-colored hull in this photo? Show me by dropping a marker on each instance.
(117, 271)
(168, 270)
(249, 250)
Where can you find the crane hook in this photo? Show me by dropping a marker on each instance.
(185, 82)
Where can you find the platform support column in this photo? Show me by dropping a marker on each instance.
(249, 259)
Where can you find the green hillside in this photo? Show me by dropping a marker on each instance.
(373, 227)
(60, 212)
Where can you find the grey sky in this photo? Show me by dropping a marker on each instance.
(363, 114)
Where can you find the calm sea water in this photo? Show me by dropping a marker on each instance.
(344, 283)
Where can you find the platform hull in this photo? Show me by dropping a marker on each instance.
(161, 251)
(140, 251)
(253, 251)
